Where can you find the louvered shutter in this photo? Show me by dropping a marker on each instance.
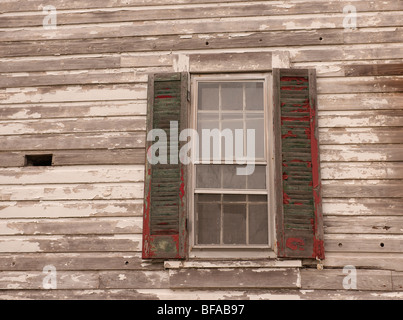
(299, 213)
(164, 220)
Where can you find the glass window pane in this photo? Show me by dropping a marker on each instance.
(257, 180)
(232, 122)
(208, 176)
(231, 180)
(254, 95)
(208, 198)
(232, 96)
(234, 198)
(208, 223)
(258, 224)
(208, 96)
(234, 225)
(206, 121)
(256, 122)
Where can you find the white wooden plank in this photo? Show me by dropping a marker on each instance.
(362, 170)
(74, 93)
(115, 243)
(197, 26)
(362, 206)
(53, 192)
(73, 110)
(70, 209)
(76, 174)
(73, 125)
(72, 226)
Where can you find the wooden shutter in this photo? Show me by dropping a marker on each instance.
(164, 220)
(299, 213)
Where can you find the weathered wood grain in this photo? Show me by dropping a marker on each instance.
(72, 110)
(128, 279)
(362, 170)
(73, 125)
(109, 140)
(378, 135)
(77, 261)
(341, 68)
(34, 280)
(199, 26)
(241, 9)
(34, 5)
(363, 243)
(383, 261)
(52, 192)
(374, 70)
(230, 62)
(72, 226)
(332, 279)
(32, 64)
(348, 119)
(363, 206)
(176, 42)
(360, 101)
(70, 209)
(74, 93)
(77, 157)
(65, 244)
(221, 295)
(72, 78)
(362, 188)
(345, 153)
(346, 53)
(234, 278)
(364, 225)
(397, 281)
(360, 84)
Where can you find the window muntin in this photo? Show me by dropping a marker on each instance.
(230, 210)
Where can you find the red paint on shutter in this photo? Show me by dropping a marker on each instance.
(299, 219)
(164, 220)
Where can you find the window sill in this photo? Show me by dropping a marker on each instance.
(223, 264)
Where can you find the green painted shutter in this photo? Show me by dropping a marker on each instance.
(164, 220)
(299, 212)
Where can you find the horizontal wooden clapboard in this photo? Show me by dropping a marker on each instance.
(73, 110)
(72, 226)
(55, 243)
(362, 188)
(76, 261)
(30, 209)
(362, 206)
(99, 191)
(199, 26)
(210, 41)
(241, 9)
(73, 125)
(78, 157)
(76, 174)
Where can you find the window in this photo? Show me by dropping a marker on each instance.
(231, 206)
(242, 197)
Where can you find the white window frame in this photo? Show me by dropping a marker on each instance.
(236, 251)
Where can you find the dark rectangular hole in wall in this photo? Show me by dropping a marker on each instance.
(38, 160)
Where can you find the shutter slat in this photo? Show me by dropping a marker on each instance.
(299, 214)
(164, 227)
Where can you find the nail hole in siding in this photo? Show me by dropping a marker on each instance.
(382, 244)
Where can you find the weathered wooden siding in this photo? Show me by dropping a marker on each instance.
(79, 92)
